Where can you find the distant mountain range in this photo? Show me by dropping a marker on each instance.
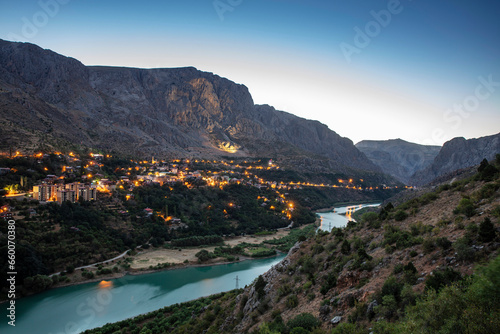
(397, 157)
(51, 101)
(418, 165)
(456, 154)
(47, 99)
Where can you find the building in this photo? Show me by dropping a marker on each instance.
(66, 195)
(64, 192)
(87, 193)
(46, 192)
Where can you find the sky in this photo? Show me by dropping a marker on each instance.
(425, 71)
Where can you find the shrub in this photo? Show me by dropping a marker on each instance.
(304, 320)
(428, 245)
(204, 255)
(318, 249)
(486, 231)
(466, 207)
(292, 301)
(346, 247)
(441, 278)
(299, 330)
(330, 282)
(392, 287)
(486, 171)
(400, 215)
(308, 265)
(410, 273)
(496, 211)
(345, 328)
(259, 286)
(428, 198)
(487, 191)
(398, 268)
(464, 251)
(371, 218)
(284, 290)
(443, 242)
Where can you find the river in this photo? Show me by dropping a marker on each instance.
(339, 216)
(77, 308)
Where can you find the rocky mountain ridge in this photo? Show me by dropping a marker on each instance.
(458, 153)
(397, 157)
(47, 98)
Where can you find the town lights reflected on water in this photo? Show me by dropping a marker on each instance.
(105, 284)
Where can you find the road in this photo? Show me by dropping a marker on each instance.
(97, 263)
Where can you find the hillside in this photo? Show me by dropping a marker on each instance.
(367, 277)
(397, 157)
(49, 100)
(456, 154)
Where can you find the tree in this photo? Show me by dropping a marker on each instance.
(259, 286)
(346, 247)
(11, 189)
(204, 255)
(304, 320)
(487, 230)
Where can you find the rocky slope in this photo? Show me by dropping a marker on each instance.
(456, 154)
(397, 157)
(364, 277)
(360, 277)
(49, 99)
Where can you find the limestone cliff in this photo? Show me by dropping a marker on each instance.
(47, 98)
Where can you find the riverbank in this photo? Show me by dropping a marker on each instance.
(151, 260)
(342, 204)
(130, 296)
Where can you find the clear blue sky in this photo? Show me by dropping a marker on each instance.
(372, 69)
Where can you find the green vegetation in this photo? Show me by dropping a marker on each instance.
(285, 243)
(197, 241)
(471, 306)
(174, 319)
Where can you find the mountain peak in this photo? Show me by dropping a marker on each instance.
(176, 112)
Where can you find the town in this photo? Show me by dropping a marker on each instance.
(90, 180)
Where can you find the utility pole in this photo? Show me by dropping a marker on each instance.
(237, 282)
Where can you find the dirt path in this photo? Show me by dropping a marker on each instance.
(97, 263)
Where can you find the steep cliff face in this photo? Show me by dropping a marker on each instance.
(46, 97)
(456, 154)
(397, 157)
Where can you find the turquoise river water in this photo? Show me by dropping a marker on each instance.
(77, 308)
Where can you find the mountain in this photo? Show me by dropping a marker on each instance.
(47, 99)
(397, 157)
(456, 154)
